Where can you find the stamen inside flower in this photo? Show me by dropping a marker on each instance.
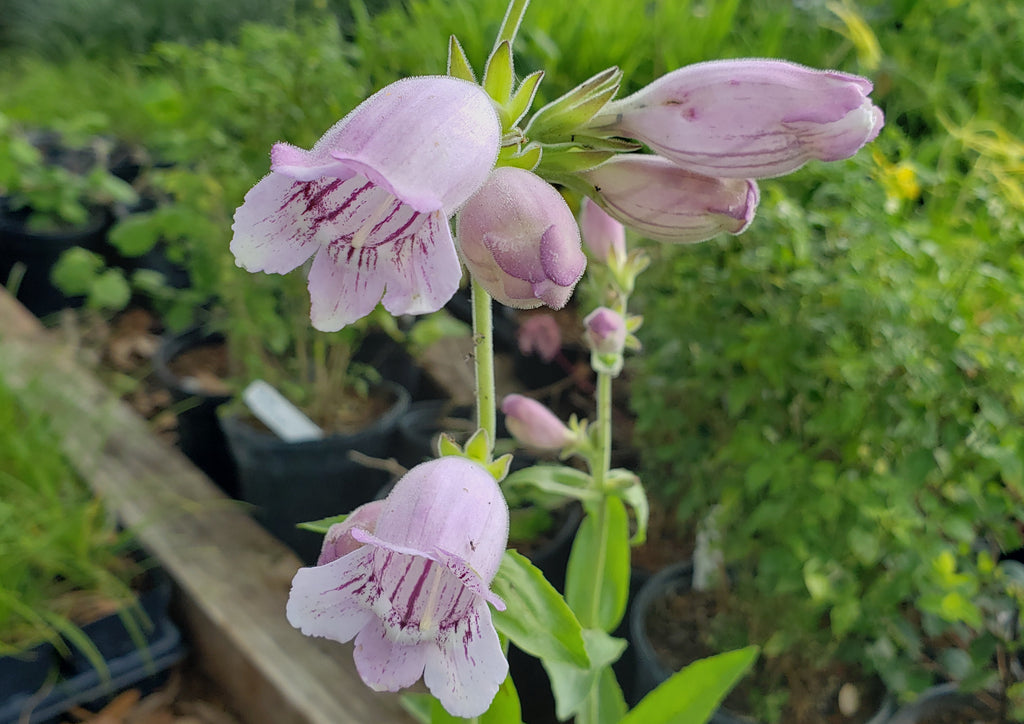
(435, 592)
(372, 220)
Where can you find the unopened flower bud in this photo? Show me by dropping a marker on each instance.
(605, 331)
(604, 236)
(539, 334)
(520, 241)
(534, 425)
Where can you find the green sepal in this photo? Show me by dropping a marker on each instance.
(499, 77)
(611, 546)
(478, 447)
(499, 468)
(572, 685)
(537, 618)
(568, 159)
(558, 120)
(458, 63)
(447, 446)
(693, 694)
(323, 524)
(527, 158)
(522, 99)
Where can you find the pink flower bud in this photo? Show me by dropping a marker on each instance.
(603, 235)
(534, 425)
(539, 334)
(605, 331)
(664, 201)
(747, 118)
(520, 241)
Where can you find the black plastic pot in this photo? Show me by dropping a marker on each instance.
(650, 669)
(199, 433)
(22, 676)
(295, 482)
(33, 254)
(943, 699)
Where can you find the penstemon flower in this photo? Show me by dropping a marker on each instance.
(747, 118)
(666, 202)
(534, 425)
(370, 202)
(412, 586)
(520, 241)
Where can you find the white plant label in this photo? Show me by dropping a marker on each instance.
(276, 412)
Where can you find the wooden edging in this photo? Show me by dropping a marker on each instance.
(232, 575)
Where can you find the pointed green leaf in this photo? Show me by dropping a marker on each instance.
(499, 75)
(554, 479)
(537, 619)
(505, 708)
(693, 694)
(557, 120)
(323, 524)
(458, 63)
(600, 558)
(571, 684)
(521, 101)
(634, 495)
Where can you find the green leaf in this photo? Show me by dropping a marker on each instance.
(499, 76)
(458, 63)
(323, 524)
(110, 290)
(600, 559)
(693, 694)
(633, 495)
(558, 120)
(555, 479)
(572, 684)
(76, 270)
(505, 708)
(537, 619)
(135, 235)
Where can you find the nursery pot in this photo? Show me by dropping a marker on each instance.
(23, 675)
(295, 482)
(945, 700)
(650, 669)
(34, 254)
(199, 433)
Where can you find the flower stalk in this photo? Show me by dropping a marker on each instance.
(483, 360)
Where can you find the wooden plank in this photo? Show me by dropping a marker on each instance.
(232, 574)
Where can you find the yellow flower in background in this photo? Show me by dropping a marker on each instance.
(900, 181)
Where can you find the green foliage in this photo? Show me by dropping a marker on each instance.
(61, 547)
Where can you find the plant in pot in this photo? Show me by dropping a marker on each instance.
(47, 208)
(837, 417)
(72, 613)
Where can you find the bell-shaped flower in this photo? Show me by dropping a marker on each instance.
(520, 241)
(370, 202)
(603, 236)
(414, 594)
(747, 118)
(539, 334)
(666, 202)
(605, 331)
(534, 425)
(339, 540)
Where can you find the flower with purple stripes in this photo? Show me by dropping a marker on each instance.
(370, 202)
(747, 118)
(411, 586)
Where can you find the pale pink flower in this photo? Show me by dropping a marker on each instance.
(414, 594)
(747, 118)
(604, 236)
(539, 334)
(605, 331)
(370, 202)
(664, 201)
(520, 241)
(533, 424)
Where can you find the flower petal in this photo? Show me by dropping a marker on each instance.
(385, 665)
(339, 541)
(343, 289)
(424, 271)
(467, 667)
(330, 601)
(271, 230)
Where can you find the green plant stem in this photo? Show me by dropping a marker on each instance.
(483, 358)
(510, 24)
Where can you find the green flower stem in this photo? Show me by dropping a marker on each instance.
(483, 358)
(510, 25)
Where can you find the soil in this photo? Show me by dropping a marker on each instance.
(204, 367)
(679, 628)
